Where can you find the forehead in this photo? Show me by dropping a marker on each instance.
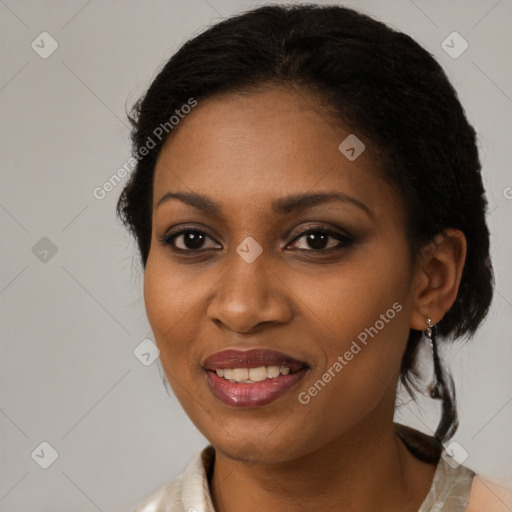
(251, 148)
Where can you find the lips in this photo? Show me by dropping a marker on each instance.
(251, 359)
(223, 369)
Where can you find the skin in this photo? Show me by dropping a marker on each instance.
(244, 151)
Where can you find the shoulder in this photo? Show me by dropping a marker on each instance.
(487, 496)
(455, 487)
(166, 499)
(187, 492)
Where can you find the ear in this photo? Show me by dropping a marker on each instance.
(437, 277)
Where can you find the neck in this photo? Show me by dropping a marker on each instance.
(359, 470)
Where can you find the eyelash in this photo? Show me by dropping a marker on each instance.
(344, 239)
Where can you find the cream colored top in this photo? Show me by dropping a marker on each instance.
(455, 488)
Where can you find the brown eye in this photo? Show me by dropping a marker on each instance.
(323, 239)
(187, 240)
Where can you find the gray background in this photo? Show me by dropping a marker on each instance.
(71, 322)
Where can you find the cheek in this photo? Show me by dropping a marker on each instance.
(175, 301)
(169, 306)
(168, 299)
(358, 377)
(349, 298)
(363, 323)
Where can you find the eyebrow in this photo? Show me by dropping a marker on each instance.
(281, 206)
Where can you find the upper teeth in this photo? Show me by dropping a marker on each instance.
(248, 375)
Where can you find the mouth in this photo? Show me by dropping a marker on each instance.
(252, 377)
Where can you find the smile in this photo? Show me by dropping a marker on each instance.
(253, 377)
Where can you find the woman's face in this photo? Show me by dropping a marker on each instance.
(259, 271)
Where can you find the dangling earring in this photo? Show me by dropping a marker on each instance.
(434, 388)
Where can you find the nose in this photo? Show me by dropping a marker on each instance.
(250, 295)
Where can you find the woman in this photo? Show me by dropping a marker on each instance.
(309, 210)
